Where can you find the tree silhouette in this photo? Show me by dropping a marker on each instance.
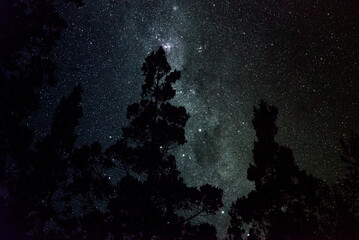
(339, 211)
(86, 192)
(51, 160)
(350, 156)
(43, 173)
(285, 202)
(61, 191)
(344, 220)
(154, 201)
(28, 32)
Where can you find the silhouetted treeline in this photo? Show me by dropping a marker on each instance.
(149, 199)
(28, 33)
(53, 189)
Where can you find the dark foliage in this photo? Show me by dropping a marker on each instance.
(153, 201)
(286, 201)
(68, 193)
(41, 176)
(345, 195)
(52, 190)
(28, 32)
(350, 156)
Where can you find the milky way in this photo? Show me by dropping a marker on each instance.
(301, 57)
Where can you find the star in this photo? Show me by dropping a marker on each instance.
(167, 46)
(230, 44)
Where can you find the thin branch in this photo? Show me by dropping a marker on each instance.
(193, 216)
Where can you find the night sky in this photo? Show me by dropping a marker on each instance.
(301, 56)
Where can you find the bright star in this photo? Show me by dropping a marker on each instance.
(167, 46)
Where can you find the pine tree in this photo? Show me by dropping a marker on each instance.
(285, 201)
(149, 202)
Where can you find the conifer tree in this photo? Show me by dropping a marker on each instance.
(285, 202)
(149, 203)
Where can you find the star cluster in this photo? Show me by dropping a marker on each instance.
(300, 56)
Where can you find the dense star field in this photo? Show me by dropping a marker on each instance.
(301, 56)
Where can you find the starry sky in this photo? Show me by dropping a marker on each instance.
(301, 56)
